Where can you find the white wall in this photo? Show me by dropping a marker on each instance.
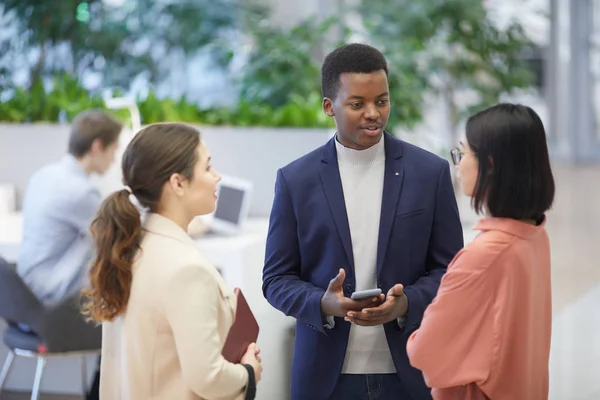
(250, 153)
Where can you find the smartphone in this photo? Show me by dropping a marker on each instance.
(366, 294)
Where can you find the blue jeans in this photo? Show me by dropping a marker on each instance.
(369, 387)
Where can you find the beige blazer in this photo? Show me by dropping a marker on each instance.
(168, 343)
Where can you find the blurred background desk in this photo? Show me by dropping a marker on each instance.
(239, 259)
(11, 233)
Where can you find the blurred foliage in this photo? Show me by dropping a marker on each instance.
(139, 37)
(452, 45)
(121, 42)
(406, 86)
(445, 46)
(282, 64)
(67, 98)
(296, 112)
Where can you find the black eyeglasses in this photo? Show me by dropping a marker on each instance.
(456, 155)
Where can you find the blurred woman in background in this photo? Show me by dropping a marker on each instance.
(165, 309)
(487, 333)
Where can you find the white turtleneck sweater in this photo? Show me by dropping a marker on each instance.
(362, 172)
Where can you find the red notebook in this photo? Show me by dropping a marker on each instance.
(243, 332)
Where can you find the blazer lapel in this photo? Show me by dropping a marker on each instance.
(392, 184)
(332, 185)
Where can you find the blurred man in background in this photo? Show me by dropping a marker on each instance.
(58, 208)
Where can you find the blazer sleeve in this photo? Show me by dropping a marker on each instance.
(454, 345)
(191, 302)
(445, 242)
(282, 285)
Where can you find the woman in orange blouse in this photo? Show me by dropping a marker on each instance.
(487, 333)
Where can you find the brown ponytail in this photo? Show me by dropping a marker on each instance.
(154, 154)
(116, 231)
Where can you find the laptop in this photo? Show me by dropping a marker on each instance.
(233, 204)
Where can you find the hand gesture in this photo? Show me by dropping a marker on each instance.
(334, 303)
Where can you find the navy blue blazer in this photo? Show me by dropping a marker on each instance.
(309, 240)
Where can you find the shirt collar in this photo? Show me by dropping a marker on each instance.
(368, 156)
(511, 226)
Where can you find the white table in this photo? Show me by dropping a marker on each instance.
(240, 259)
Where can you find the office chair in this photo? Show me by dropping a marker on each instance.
(58, 331)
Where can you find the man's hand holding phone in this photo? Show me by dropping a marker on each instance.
(394, 307)
(334, 303)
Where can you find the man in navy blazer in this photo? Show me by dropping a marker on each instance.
(364, 211)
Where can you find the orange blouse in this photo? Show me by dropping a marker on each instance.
(486, 335)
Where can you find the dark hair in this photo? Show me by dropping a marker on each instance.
(155, 153)
(353, 57)
(89, 126)
(515, 178)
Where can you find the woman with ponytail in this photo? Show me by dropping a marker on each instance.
(165, 309)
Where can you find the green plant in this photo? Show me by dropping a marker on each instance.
(281, 64)
(298, 112)
(63, 101)
(406, 89)
(153, 109)
(67, 98)
(139, 36)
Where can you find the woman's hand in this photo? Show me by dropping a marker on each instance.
(252, 358)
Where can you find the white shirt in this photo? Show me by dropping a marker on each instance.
(362, 173)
